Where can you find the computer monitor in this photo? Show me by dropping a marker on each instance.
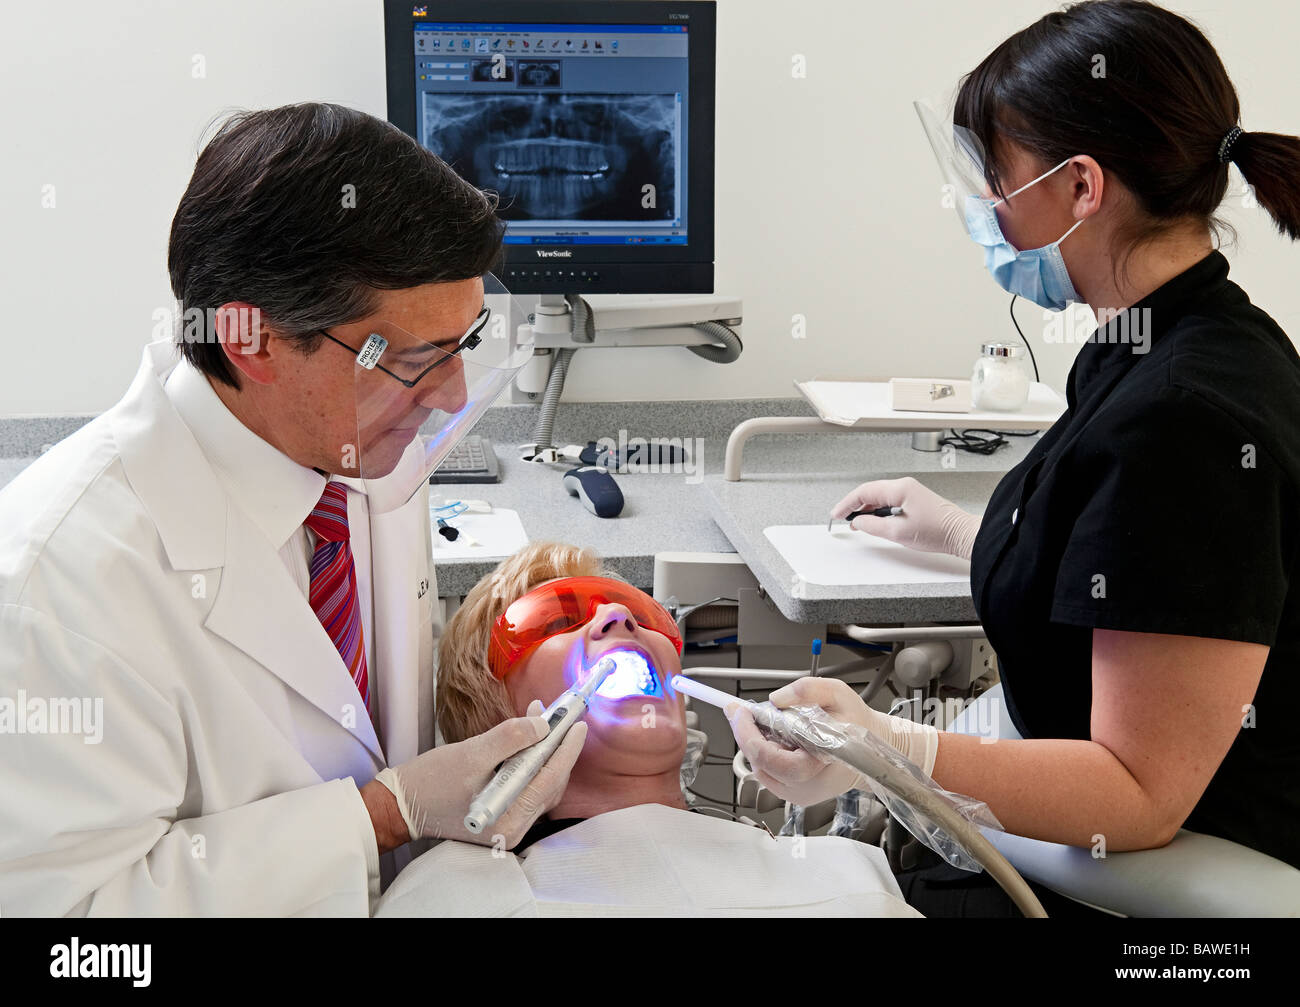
(593, 120)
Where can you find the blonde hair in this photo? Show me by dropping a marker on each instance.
(470, 699)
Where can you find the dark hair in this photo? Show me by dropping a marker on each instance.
(307, 211)
(1142, 91)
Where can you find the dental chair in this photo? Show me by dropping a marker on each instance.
(1194, 875)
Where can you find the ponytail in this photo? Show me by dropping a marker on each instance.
(1270, 163)
(1154, 119)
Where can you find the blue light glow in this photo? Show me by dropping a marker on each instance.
(633, 676)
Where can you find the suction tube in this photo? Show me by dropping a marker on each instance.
(813, 731)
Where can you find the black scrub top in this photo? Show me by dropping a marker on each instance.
(1164, 500)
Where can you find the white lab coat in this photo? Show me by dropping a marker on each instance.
(227, 774)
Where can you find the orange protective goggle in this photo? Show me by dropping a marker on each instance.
(564, 605)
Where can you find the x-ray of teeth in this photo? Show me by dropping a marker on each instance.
(539, 74)
(558, 156)
(486, 69)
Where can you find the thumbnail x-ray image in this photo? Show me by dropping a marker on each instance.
(558, 156)
(539, 74)
(502, 70)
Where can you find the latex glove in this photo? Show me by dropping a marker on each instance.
(929, 523)
(434, 789)
(804, 779)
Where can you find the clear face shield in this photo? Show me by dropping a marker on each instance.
(1036, 274)
(960, 156)
(417, 395)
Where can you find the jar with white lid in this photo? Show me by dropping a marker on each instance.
(999, 381)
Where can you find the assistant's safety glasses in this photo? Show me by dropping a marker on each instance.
(412, 374)
(562, 606)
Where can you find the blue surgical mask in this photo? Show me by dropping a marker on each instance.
(1036, 274)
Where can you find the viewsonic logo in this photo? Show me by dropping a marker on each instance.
(554, 255)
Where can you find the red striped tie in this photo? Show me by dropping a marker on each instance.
(333, 592)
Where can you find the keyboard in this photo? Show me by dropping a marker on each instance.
(470, 461)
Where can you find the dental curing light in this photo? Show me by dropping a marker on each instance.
(518, 771)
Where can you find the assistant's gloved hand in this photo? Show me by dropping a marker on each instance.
(929, 523)
(434, 789)
(803, 779)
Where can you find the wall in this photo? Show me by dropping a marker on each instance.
(827, 192)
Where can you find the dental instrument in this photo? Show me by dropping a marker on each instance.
(877, 512)
(518, 771)
(828, 738)
(453, 534)
(455, 507)
(461, 506)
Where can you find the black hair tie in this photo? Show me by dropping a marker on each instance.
(1225, 145)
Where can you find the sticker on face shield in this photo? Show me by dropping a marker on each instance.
(372, 350)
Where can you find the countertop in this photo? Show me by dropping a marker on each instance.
(787, 479)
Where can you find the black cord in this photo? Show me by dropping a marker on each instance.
(970, 439)
(1012, 310)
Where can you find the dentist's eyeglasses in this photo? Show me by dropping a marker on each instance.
(413, 369)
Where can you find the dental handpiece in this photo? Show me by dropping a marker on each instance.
(829, 739)
(782, 724)
(518, 771)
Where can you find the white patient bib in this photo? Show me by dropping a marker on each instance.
(651, 860)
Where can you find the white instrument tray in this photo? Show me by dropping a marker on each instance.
(843, 557)
(867, 404)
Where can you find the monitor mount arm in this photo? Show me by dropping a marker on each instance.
(564, 323)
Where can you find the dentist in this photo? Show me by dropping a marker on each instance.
(1138, 573)
(232, 566)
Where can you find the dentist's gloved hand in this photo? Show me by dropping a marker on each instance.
(803, 779)
(434, 789)
(929, 523)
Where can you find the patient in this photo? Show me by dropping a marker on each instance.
(621, 839)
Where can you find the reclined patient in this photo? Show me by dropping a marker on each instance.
(621, 841)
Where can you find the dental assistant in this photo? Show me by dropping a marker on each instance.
(231, 568)
(1138, 574)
